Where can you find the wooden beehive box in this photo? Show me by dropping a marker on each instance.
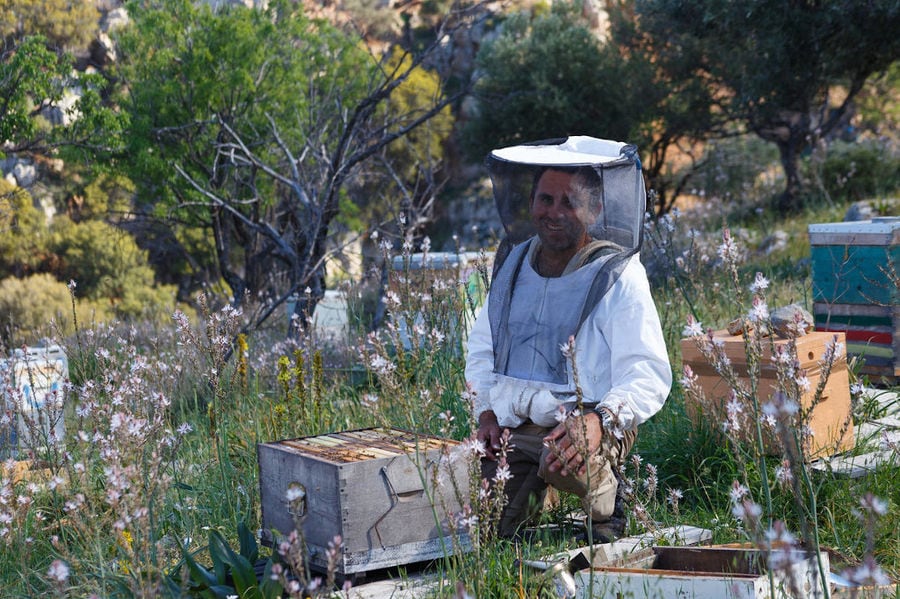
(830, 419)
(704, 573)
(855, 270)
(373, 487)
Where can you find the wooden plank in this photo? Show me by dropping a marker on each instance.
(865, 336)
(856, 239)
(278, 470)
(666, 583)
(867, 430)
(871, 350)
(856, 466)
(874, 311)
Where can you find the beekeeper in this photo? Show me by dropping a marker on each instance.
(569, 315)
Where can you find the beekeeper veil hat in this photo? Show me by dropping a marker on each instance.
(611, 196)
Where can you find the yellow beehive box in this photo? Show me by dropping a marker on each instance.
(829, 420)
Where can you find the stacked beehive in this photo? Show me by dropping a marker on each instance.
(855, 274)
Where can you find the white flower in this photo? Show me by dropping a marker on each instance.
(294, 493)
(561, 414)
(674, 496)
(783, 473)
(392, 299)
(692, 328)
(760, 283)
(503, 473)
(728, 251)
(738, 492)
(873, 505)
(867, 573)
(58, 571)
(759, 312)
(688, 379)
(747, 511)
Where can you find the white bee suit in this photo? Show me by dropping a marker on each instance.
(620, 359)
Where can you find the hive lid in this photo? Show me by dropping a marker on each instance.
(877, 231)
(359, 445)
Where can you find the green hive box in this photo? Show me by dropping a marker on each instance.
(855, 272)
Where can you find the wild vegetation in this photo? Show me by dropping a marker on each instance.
(212, 176)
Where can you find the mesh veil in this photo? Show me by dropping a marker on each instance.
(613, 183)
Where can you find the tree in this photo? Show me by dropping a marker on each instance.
(549, 76)
(66, 24)
(24, 237)
(106, 264)
(543, 77)
(32, 78)
(266, 117)
(789, 71)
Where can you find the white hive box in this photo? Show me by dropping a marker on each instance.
(373, 487)
(32, 394)
(705, 573)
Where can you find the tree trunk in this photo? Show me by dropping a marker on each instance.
(790, 200)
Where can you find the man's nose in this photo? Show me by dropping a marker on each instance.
(557, 210)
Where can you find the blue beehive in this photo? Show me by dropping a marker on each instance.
(855, 274)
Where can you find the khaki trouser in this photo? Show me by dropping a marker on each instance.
(527, 486)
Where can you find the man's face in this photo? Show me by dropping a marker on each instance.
(559, 211)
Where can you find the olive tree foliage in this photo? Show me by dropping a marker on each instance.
(404, 177)
(549, 75)
(788, 72)
(32, 78)
(252, 124)
(67, 25)
(24, 236)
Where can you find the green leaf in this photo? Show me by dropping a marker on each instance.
(268, 588)
(249, 548)
(222, 555)
(200, 576)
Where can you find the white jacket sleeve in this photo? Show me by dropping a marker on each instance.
(639, 372)
(480, 362)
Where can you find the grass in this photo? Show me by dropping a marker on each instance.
(162, 430)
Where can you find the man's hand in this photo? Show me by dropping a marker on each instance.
(572, 441)
(489, 433)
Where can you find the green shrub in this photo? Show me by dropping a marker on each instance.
(853, 171)
(28, 305)
(23, 232)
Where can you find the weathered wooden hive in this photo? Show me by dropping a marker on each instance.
(388, 494)
(855, 274)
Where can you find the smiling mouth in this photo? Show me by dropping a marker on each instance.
(553, 226)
